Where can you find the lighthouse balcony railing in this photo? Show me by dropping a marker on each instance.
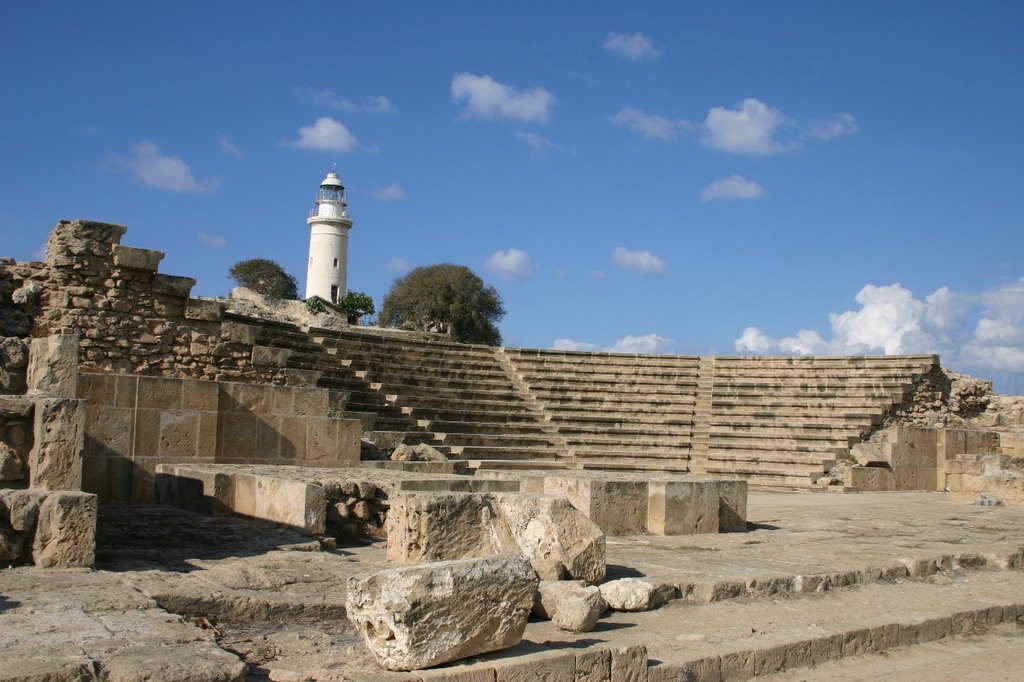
(340, 215)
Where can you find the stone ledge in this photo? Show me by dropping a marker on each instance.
(133, 258)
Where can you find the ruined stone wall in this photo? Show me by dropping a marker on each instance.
(129, 317)
(133, 423)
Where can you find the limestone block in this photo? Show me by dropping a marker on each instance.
(267, 356)
(172, 285)
(629, 664)
(422, 616)
(133, 258)
(20, 509)
(868, 454)
(289, 502)
(12, 463)
(617, 507)
(53, 365)
(66, 530)
(238, 333)
(683, 507)
(732, 506)
(570, 604)
(55, 461)
(557, 539)
(203, 309)
(628, 594)
(872, 479)
(425, 527)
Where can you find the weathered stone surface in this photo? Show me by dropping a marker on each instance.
(421, 616)
(13, 363)
(557, 539)
(683, 507)
(628, 594)
(570, 604)
(20, 509)
(12, 465)
(133, 258)
(66, 531)
(53, 365)
(55, 461)
(421, 452)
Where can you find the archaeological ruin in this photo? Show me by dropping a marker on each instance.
(229, 489)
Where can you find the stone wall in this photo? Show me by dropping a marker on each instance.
(133, 423)
(912, 458)
(129, 318)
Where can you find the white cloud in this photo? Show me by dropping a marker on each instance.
(972, 332)
(485, 97)
(650, 126)
(642, 261)
(650, 344)
(212, 240)
(376, 104)
(396, 264)
(635, 47)
(837, 126)
(511, 265)
(732, 187)
(750, 129)
(538, 144)
(569, 344)
(393, 192)
(597, 274)
(998, 339)
(153, 169)
(326, 134)
(229, 148)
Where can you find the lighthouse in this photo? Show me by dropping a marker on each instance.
(328, 241)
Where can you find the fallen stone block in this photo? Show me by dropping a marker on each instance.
(628, 594)
(570, 604)
(422, 616)
(66, 530)
(558, 540)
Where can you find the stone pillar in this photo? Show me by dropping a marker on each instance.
(53, 365)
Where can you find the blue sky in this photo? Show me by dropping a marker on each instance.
(757, 177)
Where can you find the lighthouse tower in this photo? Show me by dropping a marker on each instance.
(328, 241)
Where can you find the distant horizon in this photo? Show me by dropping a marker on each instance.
(736, 179)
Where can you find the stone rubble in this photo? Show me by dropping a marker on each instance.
(628, 594)
(422, 616)
(572, 605)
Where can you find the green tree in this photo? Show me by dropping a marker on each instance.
(356, 304)
(446, 298)
(264, 277)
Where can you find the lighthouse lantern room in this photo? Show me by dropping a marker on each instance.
(328, 241)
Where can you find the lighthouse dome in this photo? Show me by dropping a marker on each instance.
(332, 181)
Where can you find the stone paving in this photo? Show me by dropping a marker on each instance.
(811, 568)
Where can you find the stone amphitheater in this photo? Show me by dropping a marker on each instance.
(207, 489)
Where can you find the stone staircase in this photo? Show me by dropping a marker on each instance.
(461, 398)
(771, 421)
(783, 421)
(615, 410)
